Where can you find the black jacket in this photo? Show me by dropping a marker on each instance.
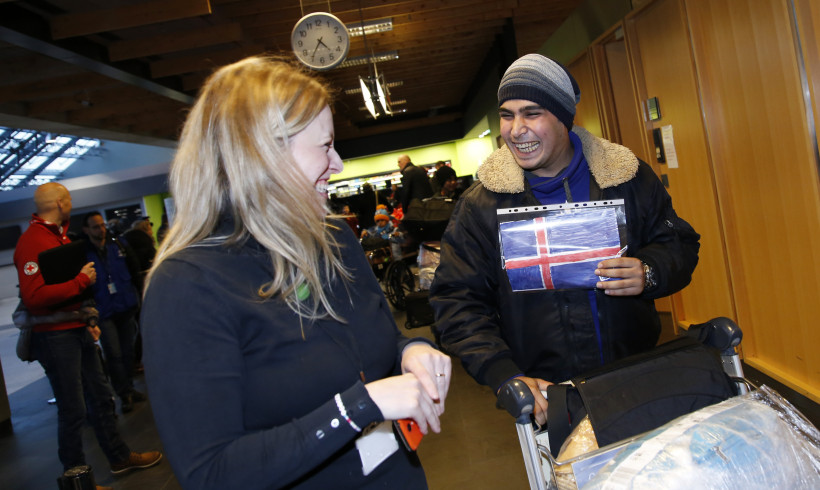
(415, 185)
(551, 334)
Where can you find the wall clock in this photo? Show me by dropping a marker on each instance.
(320, 41)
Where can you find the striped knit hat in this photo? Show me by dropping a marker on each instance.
(541, 80)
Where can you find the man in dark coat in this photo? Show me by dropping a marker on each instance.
(414, 182)
(547, 336)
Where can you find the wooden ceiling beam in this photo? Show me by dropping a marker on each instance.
(443, 18)
(54, 87)
(197, 63)
(83, 99)
(106, 20)
(173, 42)
(128, 108)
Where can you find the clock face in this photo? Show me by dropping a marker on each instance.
(320, 41)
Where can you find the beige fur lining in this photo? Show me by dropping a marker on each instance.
(610, 164)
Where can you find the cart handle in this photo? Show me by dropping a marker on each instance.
(516, 398)
(721, 333)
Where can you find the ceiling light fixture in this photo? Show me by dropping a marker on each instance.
(370, 27)
(363, 60)
(374, 88)
(358, 90)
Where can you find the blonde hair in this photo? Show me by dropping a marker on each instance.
(234, 157)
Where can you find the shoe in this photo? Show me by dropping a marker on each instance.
(126, 404)
(136, 396)
(137, 461)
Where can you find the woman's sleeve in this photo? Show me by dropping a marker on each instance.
(194, 371)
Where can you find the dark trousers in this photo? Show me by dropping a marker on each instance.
(81, 389)
(118, 335)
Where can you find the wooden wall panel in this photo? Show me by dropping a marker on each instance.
(586, 112)
(620, 115)
(658, 44)
(766, 174)
(808, 24)
(627, 112)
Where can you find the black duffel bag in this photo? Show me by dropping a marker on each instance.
(639, 393)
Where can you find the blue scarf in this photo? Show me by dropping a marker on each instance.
(550, 190)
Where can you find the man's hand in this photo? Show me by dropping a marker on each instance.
(88, 270)
(629, 273)
(95, 332)
(537, 385)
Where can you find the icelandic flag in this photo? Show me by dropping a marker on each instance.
(559, 251)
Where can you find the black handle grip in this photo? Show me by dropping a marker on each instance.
(721, 333)
(516, 398)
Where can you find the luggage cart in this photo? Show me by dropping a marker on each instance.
(542, 467)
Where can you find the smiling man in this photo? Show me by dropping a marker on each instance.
(548, 335)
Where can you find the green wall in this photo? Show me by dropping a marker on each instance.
(465, 157)
(155, 208)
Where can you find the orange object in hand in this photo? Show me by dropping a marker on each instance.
(409, 433)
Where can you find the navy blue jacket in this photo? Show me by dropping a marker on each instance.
(243, 391)
(114, 291)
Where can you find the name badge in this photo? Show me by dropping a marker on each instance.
(112, 288)
(376, 445)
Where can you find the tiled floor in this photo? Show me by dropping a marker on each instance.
(477, 448)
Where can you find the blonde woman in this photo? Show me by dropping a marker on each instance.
(269, 347)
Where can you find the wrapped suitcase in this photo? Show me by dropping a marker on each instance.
(709, 442)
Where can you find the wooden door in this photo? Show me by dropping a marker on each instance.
(658, 44)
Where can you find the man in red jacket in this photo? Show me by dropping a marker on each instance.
(66, 349)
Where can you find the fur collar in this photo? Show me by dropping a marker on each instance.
(611, 164)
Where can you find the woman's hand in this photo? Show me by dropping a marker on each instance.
(431, 367)
(403, 397)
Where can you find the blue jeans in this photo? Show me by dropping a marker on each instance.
(118, 335)
(73, 367)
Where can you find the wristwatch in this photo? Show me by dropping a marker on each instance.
(649, 276)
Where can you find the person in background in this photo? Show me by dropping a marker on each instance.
(367, 202)
(284, 357)
(546, 336)
(351, 219)
(383, 228)
(140, 236)
(117, 299)
(163, 228)
(67, 350)
(447, 183)
(434, 183)
(414, 182)
(141, 239)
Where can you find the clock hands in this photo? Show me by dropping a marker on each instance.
(318, 43)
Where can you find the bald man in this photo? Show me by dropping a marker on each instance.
(414, 182)
(66, 349)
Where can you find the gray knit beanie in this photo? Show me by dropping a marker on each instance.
(547, 83)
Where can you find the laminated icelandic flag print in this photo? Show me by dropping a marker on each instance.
(559, 248)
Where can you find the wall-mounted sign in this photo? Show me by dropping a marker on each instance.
(653, 109)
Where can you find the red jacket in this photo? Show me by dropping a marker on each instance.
(35, 293)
